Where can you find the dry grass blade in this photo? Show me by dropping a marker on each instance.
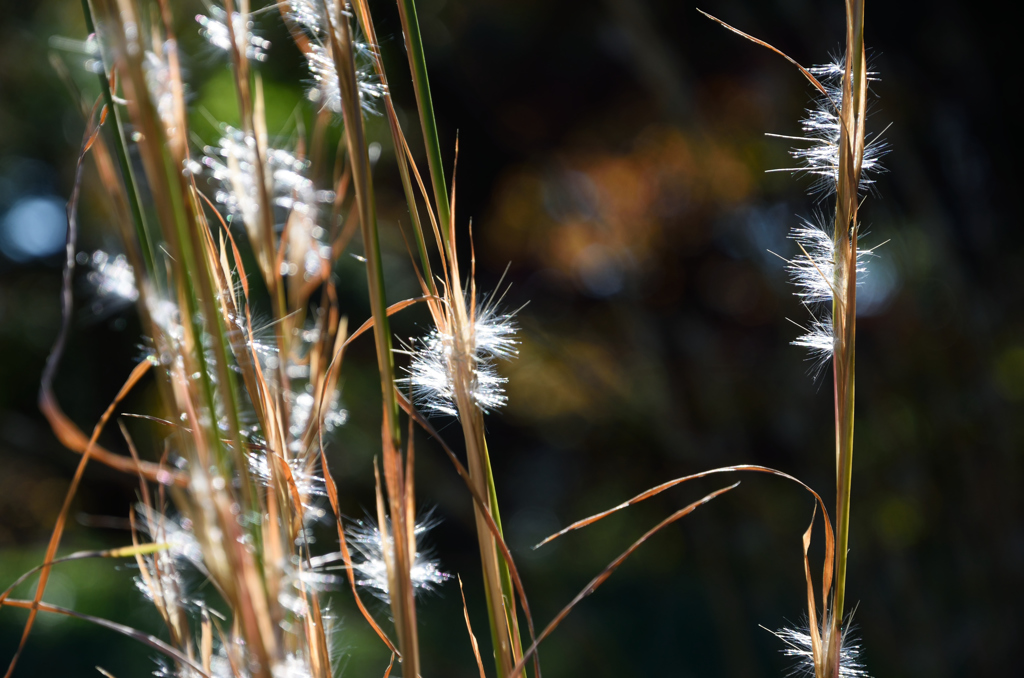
(472, 636)
(481, 503)
(72, 437)
(610, 569)
(806, 73)
(123, 552)
(206, 641)
(332, 496)
(658, 489)
(58, 530)
(145, 638)
(392, 309)
(827, 567)
(812, 613)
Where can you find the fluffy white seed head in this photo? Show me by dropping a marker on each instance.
(293, 666)
(214, 27)
(366, 540)
(302, 414)
(231, 164)
(436, 357)
(813, 269)
(309, 15)
(818, 155)
(326, 90)
(798, 646)
(818, 339)
(220, 667)
(177, 533)
(111, 279)
(307, 482)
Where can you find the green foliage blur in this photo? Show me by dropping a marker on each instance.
(613, 156)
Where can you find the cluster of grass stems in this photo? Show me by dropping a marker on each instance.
(236, 487)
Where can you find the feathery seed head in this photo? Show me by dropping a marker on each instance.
(437, 357)
(799, 646)
(215, 29)
(220, 667)
(309, 15)
(819, 338)
(232, 165)
(819, 157)
(813, 269)
(334, 415)
(327, 91)
(365, 538)
(307, 483)
(293, 666)
(111, 278)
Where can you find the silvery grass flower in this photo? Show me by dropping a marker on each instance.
(214, 27)
(307, 483)
(819, 154)
(327, 92)
(436, 357)
(177, 534)
(309, 15)
(160, 577)
(374, 551)
(334, 415)
(231, 165)
(111, 280)
(813, 270)
(799, 646)
(293, 666)
(813, 273)
(220, 667)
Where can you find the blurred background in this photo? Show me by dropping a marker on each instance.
(613, 157)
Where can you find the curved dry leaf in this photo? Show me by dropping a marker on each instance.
(135, 634)
(607, 572)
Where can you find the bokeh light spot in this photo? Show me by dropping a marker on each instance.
(33, 228)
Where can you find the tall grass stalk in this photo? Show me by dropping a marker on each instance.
(851, 158)
(839, 153)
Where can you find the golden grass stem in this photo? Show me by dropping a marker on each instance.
(397, 481)
(851, 154)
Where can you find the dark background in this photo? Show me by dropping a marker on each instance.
(613, 154)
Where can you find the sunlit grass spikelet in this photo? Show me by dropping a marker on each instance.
(326, 91)
(813, 269)
(214, 27)
(799, 646)
(365, 538)
(434, 358)
(111, 279)
(819, 151)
